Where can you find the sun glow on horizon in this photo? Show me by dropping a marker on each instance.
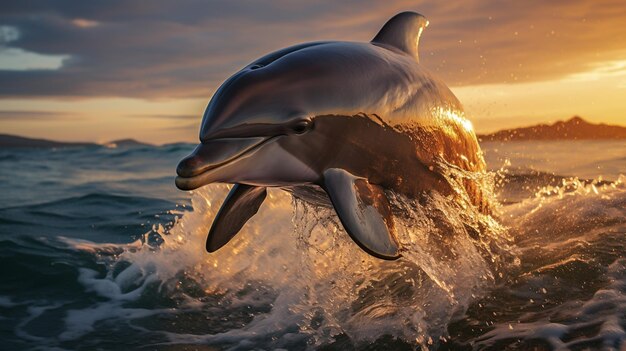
(601, 70)
(596, 94)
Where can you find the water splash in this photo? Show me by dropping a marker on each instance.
(295, 262)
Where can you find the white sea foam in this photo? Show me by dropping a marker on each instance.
(79, 322)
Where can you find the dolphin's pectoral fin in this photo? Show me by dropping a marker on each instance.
(364, 211)
(243, 202)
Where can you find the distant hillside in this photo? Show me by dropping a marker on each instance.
(575, 128)
(125, 143)
(7, 140)
(14, 141)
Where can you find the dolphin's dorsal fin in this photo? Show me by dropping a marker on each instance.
(364, 211)
(243, 202)
(403, 32)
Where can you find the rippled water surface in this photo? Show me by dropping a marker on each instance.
(100, 251)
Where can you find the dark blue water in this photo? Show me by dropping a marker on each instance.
(99, 250)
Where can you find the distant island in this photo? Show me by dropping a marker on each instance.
(14, 141)
(574, 128)
(126, 143)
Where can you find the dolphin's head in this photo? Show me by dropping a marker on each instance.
(260, 128)
(242, 129)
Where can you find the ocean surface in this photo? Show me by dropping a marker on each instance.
(100, 251)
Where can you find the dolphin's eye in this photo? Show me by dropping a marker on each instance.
(256, 66)
(302, 126)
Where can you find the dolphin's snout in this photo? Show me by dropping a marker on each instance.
(190, 166)
(210, 155)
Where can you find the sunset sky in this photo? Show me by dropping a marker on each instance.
(108, 69)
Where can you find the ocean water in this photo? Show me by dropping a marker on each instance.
(99, 251)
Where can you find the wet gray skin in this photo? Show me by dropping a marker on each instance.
(335, 123)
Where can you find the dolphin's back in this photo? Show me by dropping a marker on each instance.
(346, 79)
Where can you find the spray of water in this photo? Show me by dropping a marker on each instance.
(303, 279)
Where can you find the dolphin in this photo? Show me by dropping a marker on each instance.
(336, 124)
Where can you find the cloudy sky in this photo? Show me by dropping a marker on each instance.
(105, 69)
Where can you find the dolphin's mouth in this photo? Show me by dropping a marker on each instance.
(212, 155)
